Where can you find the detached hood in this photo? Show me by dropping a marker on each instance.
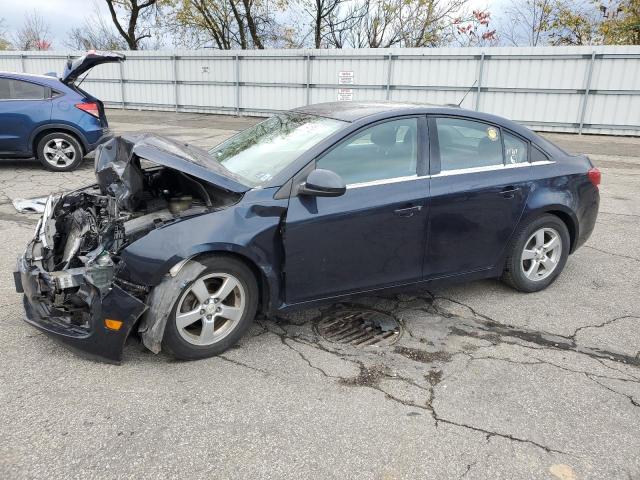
(74, 68)
(118, 169)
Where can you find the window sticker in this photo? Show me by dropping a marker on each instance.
(512, 154)
(492, 133)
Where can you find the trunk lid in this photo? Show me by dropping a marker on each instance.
(74, 68)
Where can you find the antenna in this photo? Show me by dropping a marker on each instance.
(467, 92)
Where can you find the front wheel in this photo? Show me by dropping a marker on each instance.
(538, 254)
(212, 311)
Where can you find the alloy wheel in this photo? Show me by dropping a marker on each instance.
(541, 254)
(210, 308)
(59, 153)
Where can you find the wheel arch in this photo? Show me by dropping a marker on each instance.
(564, 213)
(40, 132)
(266, 287)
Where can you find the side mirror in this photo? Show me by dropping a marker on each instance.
(323, 183)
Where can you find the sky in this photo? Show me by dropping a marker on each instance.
(62, 15)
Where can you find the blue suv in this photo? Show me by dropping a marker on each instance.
(52, 119)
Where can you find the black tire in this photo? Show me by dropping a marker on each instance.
(72, 151)
(513, 273)
(174, 342)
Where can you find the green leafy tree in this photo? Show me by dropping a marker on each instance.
(574, 23)
(622, 23)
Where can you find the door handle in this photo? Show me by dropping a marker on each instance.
(408, 212)
(509, 192)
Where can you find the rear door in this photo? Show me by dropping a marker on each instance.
(372, 236)
(23, 107)
(479, 186)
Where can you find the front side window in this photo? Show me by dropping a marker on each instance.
(262, 151)
(468, 144)
(384, 151)
(26, 90)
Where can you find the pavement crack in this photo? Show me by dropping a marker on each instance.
(240, 364)
(612, 253)
(486, 328)
(600, 325)
(612, 390)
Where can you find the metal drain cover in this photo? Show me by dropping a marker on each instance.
(359, 327)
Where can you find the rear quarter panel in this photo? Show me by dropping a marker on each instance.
(563, 187)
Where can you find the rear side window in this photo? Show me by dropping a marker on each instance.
(538, 155)
(515, 149)
(5, 92)
(468, 144)
(18, 90)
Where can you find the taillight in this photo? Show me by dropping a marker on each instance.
(594, 176)
(90, 107)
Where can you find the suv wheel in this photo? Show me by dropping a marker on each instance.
(59, 152)
(538, 254)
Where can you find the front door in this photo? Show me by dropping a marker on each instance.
(477, 194)
(372, 236)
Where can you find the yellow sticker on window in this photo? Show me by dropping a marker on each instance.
(492, 133)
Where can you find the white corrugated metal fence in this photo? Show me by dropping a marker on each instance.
(565, 89)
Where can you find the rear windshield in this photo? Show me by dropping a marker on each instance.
(259, 153)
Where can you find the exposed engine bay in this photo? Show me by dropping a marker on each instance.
(81, 233)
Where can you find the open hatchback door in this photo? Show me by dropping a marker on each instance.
(74, 68)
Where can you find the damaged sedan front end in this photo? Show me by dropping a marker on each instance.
(70, 272)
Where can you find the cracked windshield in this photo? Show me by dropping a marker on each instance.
(261, 152)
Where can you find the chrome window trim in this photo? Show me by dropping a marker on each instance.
(490, 168)
(409, 178)
(386, 181)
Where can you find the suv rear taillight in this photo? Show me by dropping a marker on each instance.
(594, 176)
(90, 107)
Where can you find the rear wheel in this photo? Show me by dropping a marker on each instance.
(213, 311)
(59, 152)
(538, 254)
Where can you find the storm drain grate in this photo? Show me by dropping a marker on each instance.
(359, 328)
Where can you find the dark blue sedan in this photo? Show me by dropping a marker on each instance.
(309, 206)
(51, 118)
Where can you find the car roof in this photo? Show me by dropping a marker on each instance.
(41, 79)
(378, 110)
(352, 111)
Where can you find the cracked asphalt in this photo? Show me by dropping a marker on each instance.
(484, 382)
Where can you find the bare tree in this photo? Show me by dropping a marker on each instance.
(136, 14)
(94, 34)
(381, 23)
(227, 23)
(527, 22)
(34, 34)
(379, 27)
(4, 43)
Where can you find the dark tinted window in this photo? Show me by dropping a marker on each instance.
(515, 149)
(19, 90)
(5, 91)
(26, 91)
(387, 150)
(538, 155)
(468, 144)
